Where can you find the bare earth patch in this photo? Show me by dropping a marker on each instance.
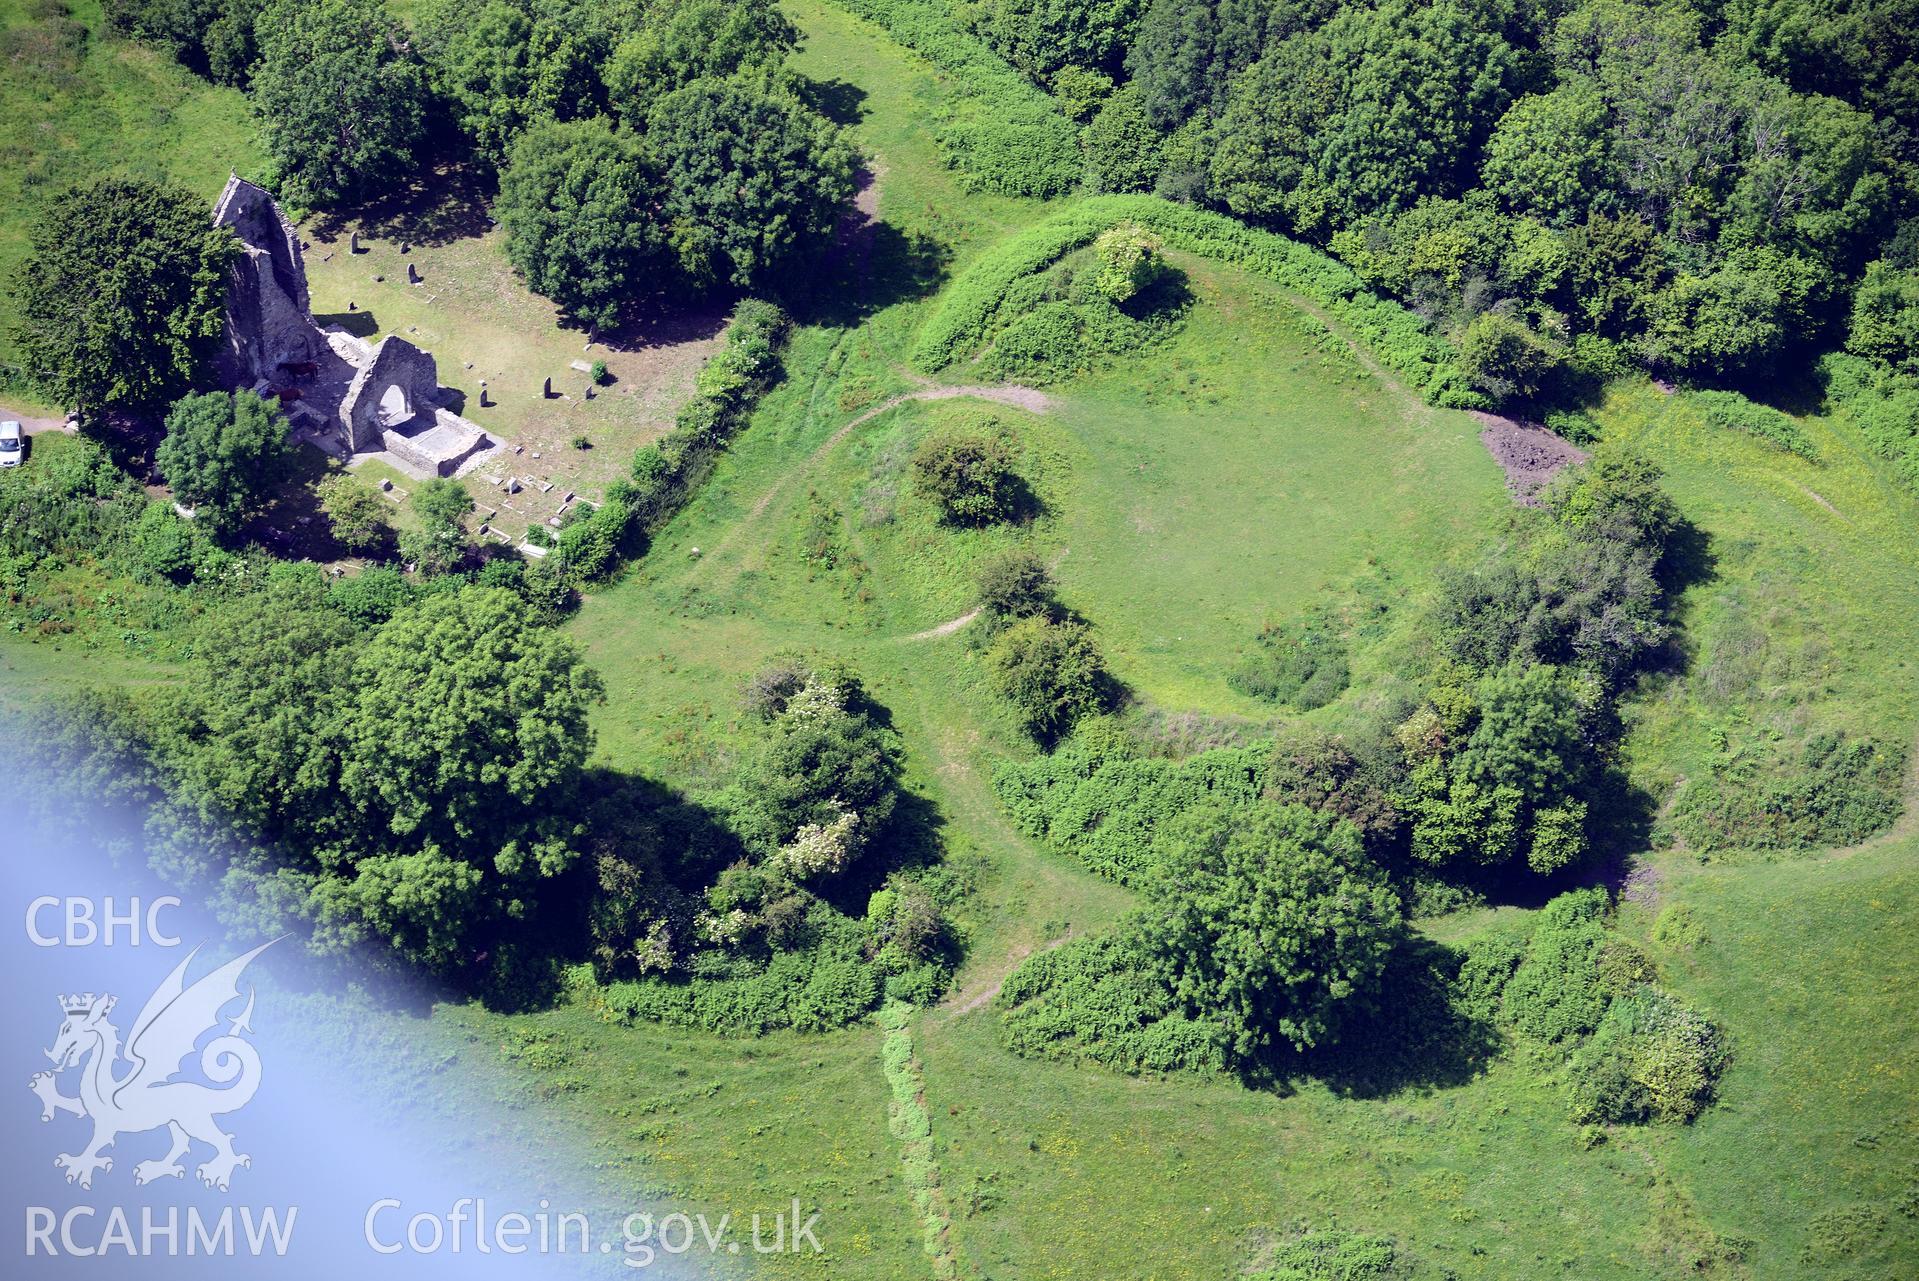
(1642, 886)
(1529, 454)
(1821, 500)
(992, 981)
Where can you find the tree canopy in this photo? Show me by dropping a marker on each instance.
(468, 723)
(342, 103)
(356, 513)
(1044, 37)
(578, 203)
(122, 295)
(822, 757)
(398, 786)
(1270, 924)
(508, 65)
(969, 475)
(755, 180)
(682, 41)
(1364, 115)
(223, 453)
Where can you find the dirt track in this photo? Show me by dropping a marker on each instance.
(1027, 398)
(946, 628)
(33, 425)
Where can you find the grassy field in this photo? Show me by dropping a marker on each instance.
(697, 1123)
(1779, 640)
(1242, 476)
(75, 105)
(1815, 1158)
(1248, 471)
(1799, 1173)
(1056, 1171)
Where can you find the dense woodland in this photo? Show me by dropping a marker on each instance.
(1513, 207)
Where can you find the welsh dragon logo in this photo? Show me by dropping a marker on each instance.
(145, 1096)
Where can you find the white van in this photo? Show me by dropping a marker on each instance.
(12, 448)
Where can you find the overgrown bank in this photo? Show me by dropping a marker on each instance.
(990, 292)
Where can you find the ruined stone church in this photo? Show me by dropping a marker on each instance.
(341, 393)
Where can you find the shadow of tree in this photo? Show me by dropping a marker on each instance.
(869, 266)
(841, 101)
(851, 284)
(668, 325)
(1689, 560)
(1420, 1038)
(129, 439)
(290, 523)
(1414, 1036)
(433, 207)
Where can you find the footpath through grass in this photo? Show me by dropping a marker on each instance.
(1248, 470)
(1808, 1168)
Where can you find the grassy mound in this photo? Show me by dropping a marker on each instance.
(973, 305)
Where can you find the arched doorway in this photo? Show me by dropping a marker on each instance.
(395, 409)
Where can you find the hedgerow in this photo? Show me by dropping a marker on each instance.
(1334, 1255)
(1000, 133)
(1730, 410)
(1555, 993)
(666, 472)
(1097, 1000)
(972, 308)
(1088, 309)
(825, 987)
(910, 1124)
(73, 507)
(1885, 404)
